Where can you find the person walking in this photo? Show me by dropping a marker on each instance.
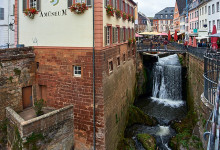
(158, 46)
(151, 44)
(165, 44)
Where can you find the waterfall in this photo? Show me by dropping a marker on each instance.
(167, 82)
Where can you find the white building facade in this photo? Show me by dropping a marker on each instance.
(203, 16)
(6, 19)
(213, 17)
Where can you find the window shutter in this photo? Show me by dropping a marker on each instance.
(38, 5)
(70, 3)
(112, 35)
(24, 5)
(105, 35)
(89, 2)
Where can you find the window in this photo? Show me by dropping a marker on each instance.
(200, 24)
(190, 16)
(209, 10)
(205, 9)
(161, 16)
(118, 61)
(213, 8)
(202, 10)
(218, 24)
(110, 66)
(209, 26)
(33, 4)
(77, 71)
(161, 21)
(217, 7)
(1, 13)
(213, 23)
(171, 16)
(108, 35)
(190, 26)
(166, 21)
(203, 23)
(166, 16)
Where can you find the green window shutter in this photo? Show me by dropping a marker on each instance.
(38, 5)
(24, 5)
(70, 3)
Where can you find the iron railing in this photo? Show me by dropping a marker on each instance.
(211, 72)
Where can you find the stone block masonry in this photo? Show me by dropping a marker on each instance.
(51, 131)
(17, 70)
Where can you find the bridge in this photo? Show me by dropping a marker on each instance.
(148, 50)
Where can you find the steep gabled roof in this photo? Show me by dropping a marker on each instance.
(166, 11)
(181, 4)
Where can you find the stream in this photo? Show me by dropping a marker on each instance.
(166, 103)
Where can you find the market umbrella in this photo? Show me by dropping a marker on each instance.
(162, 34)
(175, 36)
(194, 42)
(169, 36)
(214, 39)
(190, 41)
(137, 35)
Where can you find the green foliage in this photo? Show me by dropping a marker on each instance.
(129, 42)
(17, 72)
(33, 139)
(126, 144)
(17, 143)
(38, 105)
(10, 78)
(136, 116)
(3, 132)
(116, 119)
(181, 60)
(147, 141)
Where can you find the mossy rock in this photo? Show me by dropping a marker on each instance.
(136, 116)
(148, 141)
(126, 144)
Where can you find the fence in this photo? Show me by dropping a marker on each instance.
(211, 72)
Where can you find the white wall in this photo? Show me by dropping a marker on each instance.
(6, 35)
(215, 16)
(203, 17)
(71, 30)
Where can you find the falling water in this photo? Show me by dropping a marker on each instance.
(167, 82)
(165, 105)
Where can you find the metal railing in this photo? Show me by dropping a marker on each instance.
(211, 72)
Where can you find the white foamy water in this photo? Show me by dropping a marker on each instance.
(163, 131)
(168, 102)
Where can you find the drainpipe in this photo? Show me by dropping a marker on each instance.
(93, 86)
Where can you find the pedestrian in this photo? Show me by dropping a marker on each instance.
(151, 44)
(165, 44)
(158, 46)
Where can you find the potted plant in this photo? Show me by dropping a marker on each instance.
(78, 8)
(132, 18)
(124, 16)
(129, 17)
(134, 41)
(129, 42)
(38, 105)
(118, 14)
(110, 10)
(30, 12)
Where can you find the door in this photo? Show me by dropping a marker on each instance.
(27, 97)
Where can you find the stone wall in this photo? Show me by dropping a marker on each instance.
(51, 131)
(119, 91)
(17, 70)
(195, 89)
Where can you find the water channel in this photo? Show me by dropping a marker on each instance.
(166, 103)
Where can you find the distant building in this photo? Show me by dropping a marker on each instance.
(193, 17)
(178, 12)
(213, 15)
(203, 16)
(163, 20)
(6, 18)
(144, 24)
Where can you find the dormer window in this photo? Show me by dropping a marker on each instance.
(161, 16)
(166, 16)
(171, 16)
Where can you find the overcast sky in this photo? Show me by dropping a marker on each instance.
(151, 7)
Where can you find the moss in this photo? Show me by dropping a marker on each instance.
(136, 116)
(147, 141)
(10, 78)
(33, 139)
(17, 72)
(126, 144)
(17, 143)
(3, 132)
